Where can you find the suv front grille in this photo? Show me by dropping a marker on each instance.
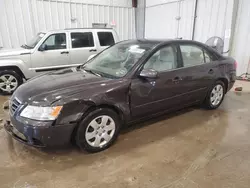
(14, 105)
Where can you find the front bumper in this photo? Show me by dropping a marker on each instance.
(38, 133)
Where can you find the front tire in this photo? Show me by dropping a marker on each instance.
(215, 95)
(98, 130)
(9, 81)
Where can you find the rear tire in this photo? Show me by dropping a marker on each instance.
(10, 80)
(215, 95)
(98, 130)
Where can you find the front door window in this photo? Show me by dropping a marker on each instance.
(56, 42)
(163, 60)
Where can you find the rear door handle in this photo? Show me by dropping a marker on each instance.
(93, 50)
(211, 71)
(65, 52)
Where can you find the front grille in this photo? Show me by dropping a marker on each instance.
(14, 105)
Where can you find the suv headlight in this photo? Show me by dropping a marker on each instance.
(41, 113)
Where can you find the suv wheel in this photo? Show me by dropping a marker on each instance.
(215, 95)
(98, 130)
(9, 81)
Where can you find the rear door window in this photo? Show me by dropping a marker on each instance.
(82, 40)
(106, 38)
(191, 55)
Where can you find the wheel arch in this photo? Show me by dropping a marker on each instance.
(225, 81)
(109, 106)
(93, 107)
(14, 68)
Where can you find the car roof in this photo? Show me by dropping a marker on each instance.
(156, 42)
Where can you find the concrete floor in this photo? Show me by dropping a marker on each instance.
(193, 148)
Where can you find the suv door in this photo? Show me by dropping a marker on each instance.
(82, 46)
(54, 55)
(149, 96)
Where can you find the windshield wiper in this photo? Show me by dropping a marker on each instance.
(26, 46)
(92, 72)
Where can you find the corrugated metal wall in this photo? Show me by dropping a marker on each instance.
(186, 13)
(174, 18)
(22, 19)
(169, 18)
(214, 18)
(241, 39)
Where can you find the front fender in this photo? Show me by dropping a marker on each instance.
(75, 106)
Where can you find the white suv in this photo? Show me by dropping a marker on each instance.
(51, 50)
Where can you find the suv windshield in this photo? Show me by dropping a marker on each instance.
(33, 42)
(118, 60)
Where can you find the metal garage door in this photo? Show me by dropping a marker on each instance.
(241, 41)
(170, 19)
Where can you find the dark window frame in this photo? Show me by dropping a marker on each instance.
(101, 32)
(92, 36)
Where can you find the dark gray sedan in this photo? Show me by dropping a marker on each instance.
(127, 82)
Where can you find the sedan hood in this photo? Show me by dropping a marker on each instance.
(53, 86)
(13, 52)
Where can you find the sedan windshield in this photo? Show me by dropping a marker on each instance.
(33, 42)
(118, 60)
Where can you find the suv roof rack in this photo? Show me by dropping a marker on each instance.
(89, 28)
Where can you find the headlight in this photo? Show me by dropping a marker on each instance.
(41, 113)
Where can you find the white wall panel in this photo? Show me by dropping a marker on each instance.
(241, 48)
(213, 18)
(150, 3)
(169, 19)
(185, 27)
(22, 19)
(160, 21)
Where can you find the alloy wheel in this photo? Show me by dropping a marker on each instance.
(216, 95)
(8, 83)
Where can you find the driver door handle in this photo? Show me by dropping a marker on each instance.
(65, 52)
(93, 50)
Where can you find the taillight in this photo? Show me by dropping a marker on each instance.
(235, 64)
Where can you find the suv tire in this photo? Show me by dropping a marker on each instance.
(10, 80)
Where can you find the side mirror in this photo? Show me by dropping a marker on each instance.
(90, 57)
(149, 73)
(43, 47)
